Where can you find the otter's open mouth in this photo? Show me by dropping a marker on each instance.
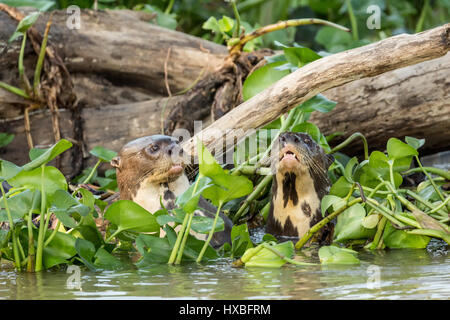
(289, 153)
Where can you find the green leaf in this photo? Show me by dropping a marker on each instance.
(227, 188)
(53, 180)
(153, 250)
(341, 187)
(63, 205)
(103, 154)
(5, 138)
(415, 143)
(333, 40)
(261, 79)
(371, 221)
(86, 251)
(128, 215)
(105, 260)
(226, 24)
(318, 103)
(394, 238)
(8, 170)
(240, 240)
(211, 24)
(268, 259)
(349, 225)
(36, 153)
(24, 24)
(330, 200)
(20, 204)
(51, 153)
(300, 56)
(208, 166)
(335, 255)
(189, 201)
(42, 5)
(397, 149)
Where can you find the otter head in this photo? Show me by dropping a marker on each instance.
(151, 160)
(299, 154)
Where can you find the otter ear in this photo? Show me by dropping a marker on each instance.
(115, 162)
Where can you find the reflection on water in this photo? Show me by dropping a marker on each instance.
(404, 274)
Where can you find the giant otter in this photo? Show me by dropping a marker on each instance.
(151, 169)
(300, 168)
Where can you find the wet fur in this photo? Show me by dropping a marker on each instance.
(298, 190)
(143, 177)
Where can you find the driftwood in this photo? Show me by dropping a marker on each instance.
(320, 75)
(122, 68)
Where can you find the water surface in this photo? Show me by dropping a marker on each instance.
(403, 274)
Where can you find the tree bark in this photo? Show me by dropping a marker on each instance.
(412, 101)
(321, 75)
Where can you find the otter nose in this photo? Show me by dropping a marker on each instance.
(288, 138)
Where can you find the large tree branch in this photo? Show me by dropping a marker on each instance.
(320, 75)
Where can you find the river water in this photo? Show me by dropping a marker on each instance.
(387, 274)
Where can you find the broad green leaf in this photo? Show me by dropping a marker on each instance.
(336, 255)
(394, 238)
(349, 225)
(227, 188)
(240, 239)
(226, 24)
(267, 258)
(105, 260)
(330, 200)
(152, 249)
(341, 187)
(371, 221)
(208, 166)
(211, 24)
(397, 149)
(300, 56)
(43, 5)
(261, 79)
(51, 153)
(128, 215)
(318, 103)
(20, 204)
(103, 154)
(349, 169)
(189, 201)
(5, 138)
(36, 153)
(333, 40)
(86, 251)
(414, 142)
(53, 180)
(8, 170)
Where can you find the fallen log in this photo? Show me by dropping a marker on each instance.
(320, 75)
(412, 101)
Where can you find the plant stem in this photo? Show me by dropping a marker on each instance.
(302, 241)
(14, 90)
(11, 229)
(443, 204)
(31, 248)
(184, 228)
(353, 22)
(350, 139)
(184, 240)
(419, 25)
(252, 196)
(279, 26)
(40, 62)
(89, 177)
(431, 180)
(238, 19)
(208, 240)
(440, 172)
(250, 170)
(384, 212)
(41, 235)
(376, 243)
(287, 259)
(52, 235)
(169, 7)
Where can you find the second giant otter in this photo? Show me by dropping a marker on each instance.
(150, 170)
(300, 168)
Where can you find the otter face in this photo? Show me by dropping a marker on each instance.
(296, 153)
(152, 159)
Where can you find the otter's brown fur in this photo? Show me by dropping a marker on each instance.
(300, 181)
